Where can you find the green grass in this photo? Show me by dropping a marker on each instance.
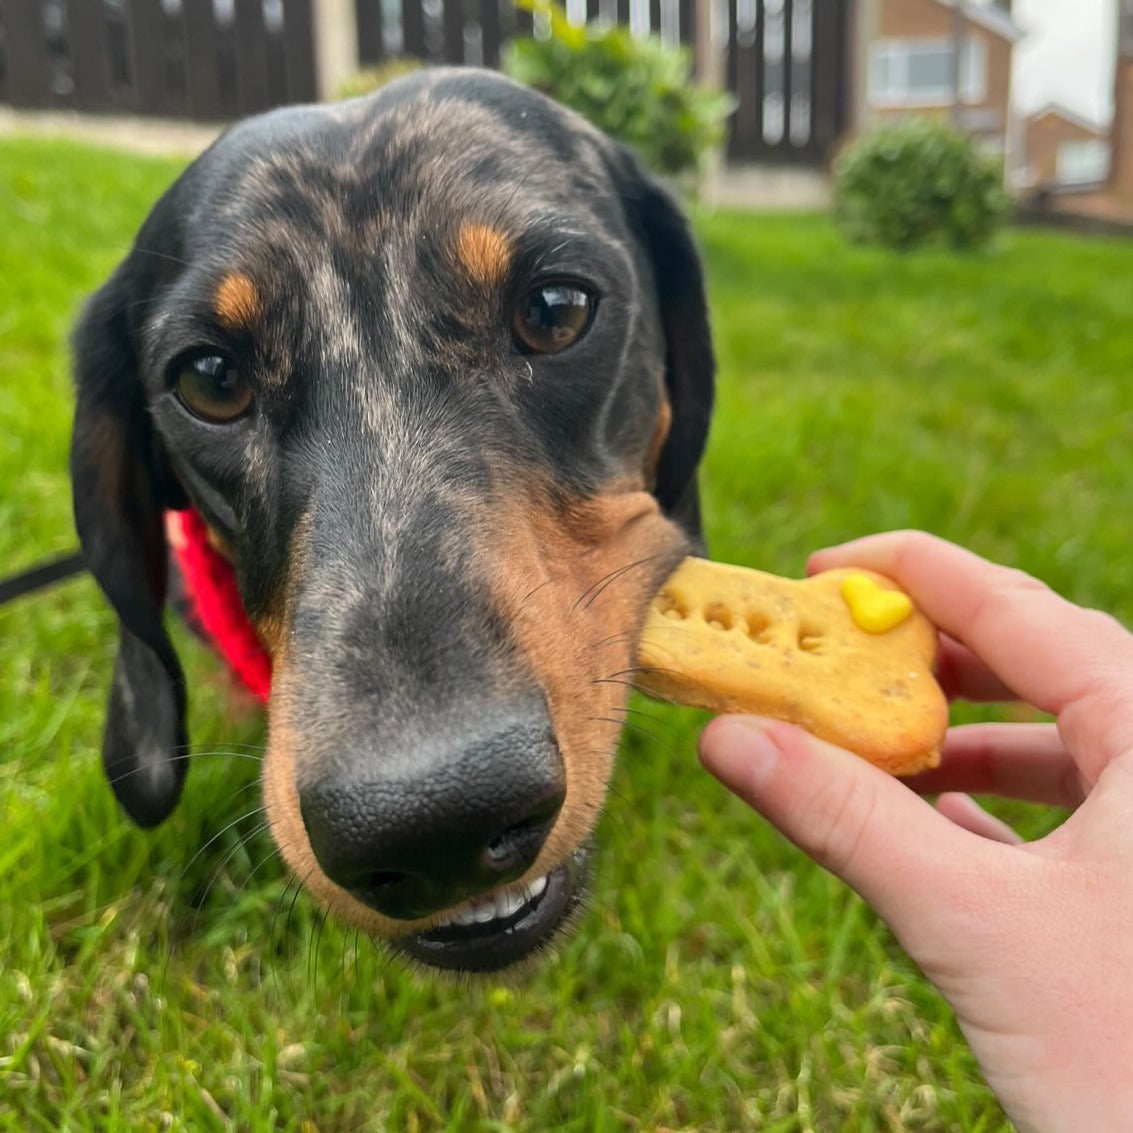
(719, 980)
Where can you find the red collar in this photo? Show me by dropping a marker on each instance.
(215, 604)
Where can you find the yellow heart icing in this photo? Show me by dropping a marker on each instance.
(873, 608)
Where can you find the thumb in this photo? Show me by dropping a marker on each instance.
(866, 827)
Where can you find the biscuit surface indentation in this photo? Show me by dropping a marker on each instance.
(736, 640)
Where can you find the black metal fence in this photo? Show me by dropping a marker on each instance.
(787, 65)
(205, 59)
(785, 61)
(472, 32)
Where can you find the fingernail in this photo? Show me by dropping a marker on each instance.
(739, 752)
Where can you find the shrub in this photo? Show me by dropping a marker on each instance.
(914, 182)
(636, 90)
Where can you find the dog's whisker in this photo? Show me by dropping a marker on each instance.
(521, 184)
(272, 854)
(623, 638)
(640, 669)
(587, 597)
(531, 593)
(241, 843)
(251, 785)
(287, 923)
(122, 776)
(342, 957)
(618, 576)
(273, 947)
(314, 945)
(161, 255)
(627, 710)
(220, 834)
(637, 729)
(215, 752)
(292, 880)
(614, 681)
(259, 749)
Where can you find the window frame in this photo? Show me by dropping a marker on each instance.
(1097, 147)
(897, 51)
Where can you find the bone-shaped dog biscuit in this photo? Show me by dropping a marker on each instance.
(844, 655)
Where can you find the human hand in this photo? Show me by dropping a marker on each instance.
(1031, 944)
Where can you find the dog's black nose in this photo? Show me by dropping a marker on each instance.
(422, 830)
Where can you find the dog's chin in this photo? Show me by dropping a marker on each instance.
(502, 928)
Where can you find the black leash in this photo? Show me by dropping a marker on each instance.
(46, 574)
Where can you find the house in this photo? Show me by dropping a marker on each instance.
(913, 66)
(1121, 132)
(1081, 191)
(1061, 150)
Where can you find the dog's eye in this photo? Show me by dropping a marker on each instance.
(211, 388)
(552, 317)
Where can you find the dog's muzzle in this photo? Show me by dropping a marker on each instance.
(450, 826)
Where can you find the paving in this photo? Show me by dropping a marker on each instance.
(751, 187)
(158, 136)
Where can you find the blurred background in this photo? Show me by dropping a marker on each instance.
(914, 217)
(1044, 86)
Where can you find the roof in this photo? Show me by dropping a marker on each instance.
(994, 19)
(1069, 115)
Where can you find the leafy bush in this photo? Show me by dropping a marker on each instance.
(637, 90)
(914, 182)
(370, 79)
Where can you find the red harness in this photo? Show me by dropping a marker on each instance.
(214, 602)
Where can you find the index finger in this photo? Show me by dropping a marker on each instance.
(1048, 650)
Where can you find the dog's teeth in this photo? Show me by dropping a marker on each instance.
(500, 905)
(508, 903)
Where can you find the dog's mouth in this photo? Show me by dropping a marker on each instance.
(497, 929)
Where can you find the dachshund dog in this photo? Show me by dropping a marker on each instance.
(434, 367)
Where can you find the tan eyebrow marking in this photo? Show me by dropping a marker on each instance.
(237, 302)
(484, 252)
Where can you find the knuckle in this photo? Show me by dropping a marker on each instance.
(843, 820)
(1016, 579)
(1000, 599)
(911, 548)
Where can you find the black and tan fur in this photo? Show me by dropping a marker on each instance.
(448, 545)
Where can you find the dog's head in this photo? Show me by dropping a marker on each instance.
(435, 367)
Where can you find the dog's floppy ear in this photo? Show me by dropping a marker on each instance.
(121, 486)
(690, 366)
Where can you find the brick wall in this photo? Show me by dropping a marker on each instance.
(925, 19)
(1121, 169)
(1042, 135)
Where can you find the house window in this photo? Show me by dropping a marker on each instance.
(918, 72)
(1082, 162)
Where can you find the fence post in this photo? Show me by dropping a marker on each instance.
(29, 67)
(864, 24)
(708, 62)
(334, 24)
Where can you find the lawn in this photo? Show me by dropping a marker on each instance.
(172, 980)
